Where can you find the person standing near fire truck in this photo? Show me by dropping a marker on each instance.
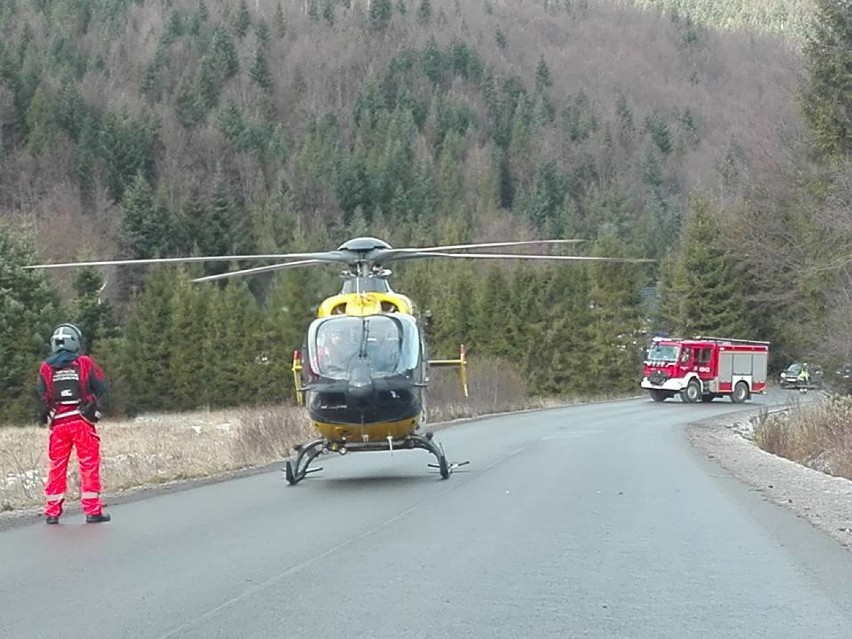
(69, 386)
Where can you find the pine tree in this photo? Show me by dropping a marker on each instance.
(92, 313)
(328, 7)
(71, 111)
(86, 159)
(192, 105)
(489, 322)
(291, 306)
(199, 18)
(124, 147)
(542, 75)
(380, 13)
(501, 39)
(188, 365)
(424, 11)
(233, 347)
(280, 20)
(661, 135)
(29, 309)
(707, 289)
(147, 223)
(224, 56)
(41, 124)
(625, 124)
(558, 353)
(452, 311)
(225, 229)
(143, 364)
(826, 96)
(616, 322)
(191, 220)
(259, 71)
(242, 21)
(263, 35)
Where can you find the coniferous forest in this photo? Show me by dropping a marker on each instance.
(162, 128)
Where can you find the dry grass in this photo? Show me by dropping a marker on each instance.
(154, 449)
(817, 435)
(492, 388)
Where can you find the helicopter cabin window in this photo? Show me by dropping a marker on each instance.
(389, 345)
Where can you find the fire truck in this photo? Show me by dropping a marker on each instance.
(704, 368)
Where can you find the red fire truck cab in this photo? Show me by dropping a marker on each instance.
(704, 368)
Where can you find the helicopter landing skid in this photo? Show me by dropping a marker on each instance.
(443, 466)
(296, 470)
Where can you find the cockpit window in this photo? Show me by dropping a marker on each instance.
(390, 344)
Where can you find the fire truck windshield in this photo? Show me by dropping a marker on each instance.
(662, 353)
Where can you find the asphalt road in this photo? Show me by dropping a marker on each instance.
(590, 521)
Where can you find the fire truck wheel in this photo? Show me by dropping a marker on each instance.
(740, 393)
(692, 392)
(658, 395)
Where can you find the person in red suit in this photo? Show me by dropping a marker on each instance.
(70, 385)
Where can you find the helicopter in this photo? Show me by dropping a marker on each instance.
(363, 368)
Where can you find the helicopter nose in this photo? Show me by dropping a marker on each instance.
(360, 381)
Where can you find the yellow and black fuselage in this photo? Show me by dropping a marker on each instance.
(364, 370)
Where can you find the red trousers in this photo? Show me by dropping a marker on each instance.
(65, 434)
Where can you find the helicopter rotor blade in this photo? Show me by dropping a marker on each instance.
(257, 270)
(387, 255)
(508, 256)
(325, 256)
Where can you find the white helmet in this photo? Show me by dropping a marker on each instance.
(66, 337)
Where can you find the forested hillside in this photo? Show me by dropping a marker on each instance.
(148, 128)
(790, 18)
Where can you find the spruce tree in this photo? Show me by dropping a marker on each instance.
(542, 75)
(708, 292)
(124, 147)
(616, 321)
(827, 93)
(29, 310)
(191, 314)
(92, 312)
(380, 13)
(147, 223)
(280, 21)
(41, 124)
(242, 21)
(233, 348)
(290, 307)
(143, 364)
(259, 71)
(424, 11)
(489, 320)
(559, 348)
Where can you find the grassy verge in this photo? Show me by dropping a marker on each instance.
(817, 435)
(153, 449)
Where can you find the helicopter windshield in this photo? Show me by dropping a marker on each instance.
(390, 344)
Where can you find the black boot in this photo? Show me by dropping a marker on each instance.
(97, 519)
(51, 520)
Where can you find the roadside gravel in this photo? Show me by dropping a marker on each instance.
(822, 500)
